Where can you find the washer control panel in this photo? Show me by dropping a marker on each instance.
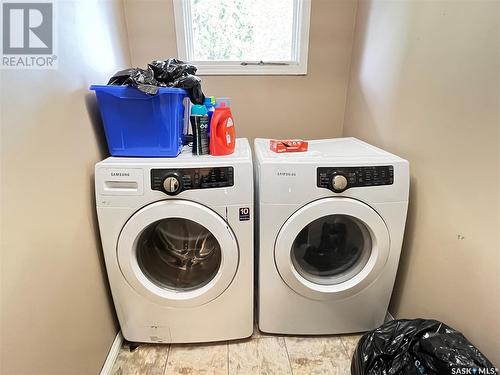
(173, 181)
(339, 179)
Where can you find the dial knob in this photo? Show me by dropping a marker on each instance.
(172, 185)
(339, 182)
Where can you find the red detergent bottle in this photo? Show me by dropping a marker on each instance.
(222, 132)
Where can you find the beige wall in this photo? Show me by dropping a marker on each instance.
(309, 106)
(425, 85)
(56, 313)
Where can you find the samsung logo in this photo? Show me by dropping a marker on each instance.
(120, 174)
(286, 174)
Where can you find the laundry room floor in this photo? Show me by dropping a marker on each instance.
(259, 354)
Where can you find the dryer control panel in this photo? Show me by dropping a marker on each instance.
(173, 181)
(339, 179)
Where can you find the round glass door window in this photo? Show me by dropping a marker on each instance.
(178, 254)
(331, 249)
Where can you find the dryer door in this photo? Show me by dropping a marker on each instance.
(332, 248)
(178, 253)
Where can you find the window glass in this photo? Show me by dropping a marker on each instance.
(233, 37)
(248, 30)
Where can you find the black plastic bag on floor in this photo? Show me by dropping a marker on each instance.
(417, 347)
(166, 73)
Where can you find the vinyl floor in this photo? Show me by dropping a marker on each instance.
(261, 354)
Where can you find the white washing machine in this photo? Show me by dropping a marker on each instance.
(177, 237)
(330, 229)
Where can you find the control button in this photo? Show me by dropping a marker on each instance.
(339, 183)
(172, 184)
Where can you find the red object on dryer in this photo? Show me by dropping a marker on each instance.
(222, 132)
(288, 145)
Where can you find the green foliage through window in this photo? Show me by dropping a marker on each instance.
(242, 30)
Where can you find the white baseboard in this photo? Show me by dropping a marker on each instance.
(388, 317)
(112, 354)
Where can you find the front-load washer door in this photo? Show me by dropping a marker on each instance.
(178, 253)
(332, 248)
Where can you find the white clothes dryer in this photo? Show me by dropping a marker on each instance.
(330, 230)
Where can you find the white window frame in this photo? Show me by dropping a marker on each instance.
(300, 46)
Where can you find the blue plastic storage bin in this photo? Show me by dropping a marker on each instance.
(138, 124)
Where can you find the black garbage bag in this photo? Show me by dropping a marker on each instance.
(142, 79)
(417, 347)
(166, 73)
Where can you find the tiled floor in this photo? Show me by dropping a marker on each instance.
(261, 354)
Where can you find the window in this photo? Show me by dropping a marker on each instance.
(225, 37)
